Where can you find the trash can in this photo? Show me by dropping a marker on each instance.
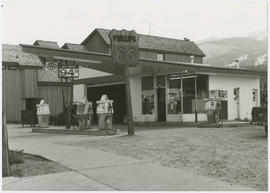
(43, 113)
(104, 109)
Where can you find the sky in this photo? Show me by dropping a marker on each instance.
(70, 21)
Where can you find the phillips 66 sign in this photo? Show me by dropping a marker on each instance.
(125, 50)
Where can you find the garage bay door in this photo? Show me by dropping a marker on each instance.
(115, 93)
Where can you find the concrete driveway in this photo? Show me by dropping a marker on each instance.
(98, 170)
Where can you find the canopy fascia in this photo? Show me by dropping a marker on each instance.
(93, 60)
(103, 62)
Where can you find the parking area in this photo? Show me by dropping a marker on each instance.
(237, 155)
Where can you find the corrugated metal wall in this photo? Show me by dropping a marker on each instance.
(17, 85)
(11, 93)
(29, 82)
(52, 96)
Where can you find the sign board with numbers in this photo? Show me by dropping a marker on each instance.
(68, 71)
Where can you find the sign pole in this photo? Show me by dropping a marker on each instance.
(125, 54)
(71, 96)
(67, 108)
(129, 104)
(5, 148)
(5, 161)
(68, 72)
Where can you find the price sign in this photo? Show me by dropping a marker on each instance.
(68, 71)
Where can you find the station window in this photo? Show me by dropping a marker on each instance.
(147, 95)
(202, 93)
(174, 95)
(160, 57)
(189, 95)
(12, 67)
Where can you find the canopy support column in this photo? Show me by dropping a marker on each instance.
(129, 104)
(196, 113)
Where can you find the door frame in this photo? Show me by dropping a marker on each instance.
(159, 113)
(237, 101)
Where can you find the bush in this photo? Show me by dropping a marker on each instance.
(15, 156)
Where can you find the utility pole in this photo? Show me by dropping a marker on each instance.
(150, 24)
(149, 28)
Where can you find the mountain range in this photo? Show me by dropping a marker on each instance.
(249, 52)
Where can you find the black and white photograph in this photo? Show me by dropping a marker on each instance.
(136, 95)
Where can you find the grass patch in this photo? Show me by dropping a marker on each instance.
(238, 155)
(24, 165)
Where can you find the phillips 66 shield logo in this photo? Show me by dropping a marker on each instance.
(50, 65)
(125, 51)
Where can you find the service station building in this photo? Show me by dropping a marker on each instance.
(170, 83)
(156, 83)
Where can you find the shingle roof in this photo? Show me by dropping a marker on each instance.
(46, 44)
(158, 43)
(77, 47)
(14, 53)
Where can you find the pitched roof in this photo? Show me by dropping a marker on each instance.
(46, 44)
(157, 43)
(77, 47)
(14, 54)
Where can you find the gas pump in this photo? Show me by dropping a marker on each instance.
(105, 112)
(213, 107)
(84, 113)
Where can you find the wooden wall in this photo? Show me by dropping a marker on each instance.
(29, 83)
(182, 58)
(12, 94)
(97, 44)
(19, 84)
(152, 55)
(53, 96)
(148, 55)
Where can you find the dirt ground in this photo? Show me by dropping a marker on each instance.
(35, 165)
(236, 155)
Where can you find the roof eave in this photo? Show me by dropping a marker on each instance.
(89, 36)
(204, 68)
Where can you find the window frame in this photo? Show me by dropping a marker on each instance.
(161, 54)
(149, 104)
